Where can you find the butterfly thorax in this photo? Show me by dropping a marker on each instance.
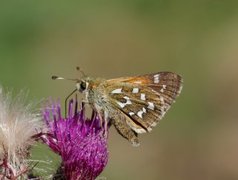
(96, 95)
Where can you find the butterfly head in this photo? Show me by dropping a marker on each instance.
(81, 85)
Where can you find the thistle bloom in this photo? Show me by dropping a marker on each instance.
(81, 142)
(18, 124)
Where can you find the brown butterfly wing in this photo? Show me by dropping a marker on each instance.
(144, 99)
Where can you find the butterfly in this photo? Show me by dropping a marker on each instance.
(134, 105)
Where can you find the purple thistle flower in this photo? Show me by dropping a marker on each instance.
(81, 142)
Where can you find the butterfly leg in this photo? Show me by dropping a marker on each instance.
(103, 116)
(123, 129)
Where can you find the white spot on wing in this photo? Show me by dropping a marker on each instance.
(142, 96)
(139, 113)
(139, 131)
(122, 105)
(128, 100)
(117, 91)
(163, 88)
(156, 78)
(131, 113)
(151, 106)
(126, 97)
(144, 110)
(135, 90)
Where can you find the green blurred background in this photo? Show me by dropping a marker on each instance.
(198, 138)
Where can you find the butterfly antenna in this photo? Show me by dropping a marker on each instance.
(67, 98)
(81, 71)
(62, 78)
(56, 77)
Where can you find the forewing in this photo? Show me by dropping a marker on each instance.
(144, 99)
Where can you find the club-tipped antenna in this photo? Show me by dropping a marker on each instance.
(81, 71)
(54, 77)
(70, 79)
(60, 78)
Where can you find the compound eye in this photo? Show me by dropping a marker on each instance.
(83, 85)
